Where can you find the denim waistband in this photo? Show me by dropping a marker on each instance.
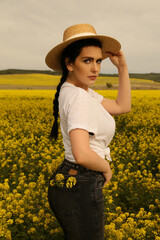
(79, 167)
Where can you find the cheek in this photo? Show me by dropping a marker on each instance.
(99, 67)
(82, 70)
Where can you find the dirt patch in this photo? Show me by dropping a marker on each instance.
(96, 87)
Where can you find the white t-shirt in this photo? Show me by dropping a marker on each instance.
(82, 109)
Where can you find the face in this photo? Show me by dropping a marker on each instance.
(85, 70)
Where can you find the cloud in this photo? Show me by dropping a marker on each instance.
(29, 29)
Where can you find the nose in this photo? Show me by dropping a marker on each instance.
(94, 67)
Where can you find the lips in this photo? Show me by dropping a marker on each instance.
(92, 77)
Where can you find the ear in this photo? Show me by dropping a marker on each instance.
(68, 64)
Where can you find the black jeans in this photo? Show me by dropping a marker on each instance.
(78, 205)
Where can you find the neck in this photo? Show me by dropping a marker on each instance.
(76, 83)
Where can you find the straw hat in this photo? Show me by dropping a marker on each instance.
(77, 32)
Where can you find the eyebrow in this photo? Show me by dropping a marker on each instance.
(91, 58)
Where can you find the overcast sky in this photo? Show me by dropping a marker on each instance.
(30, 28)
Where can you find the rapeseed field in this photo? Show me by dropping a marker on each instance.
(53, 80)
(28, 158)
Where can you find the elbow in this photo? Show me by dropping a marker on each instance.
(126, 110)
(81, 157)
(129, 109)
(79, 161)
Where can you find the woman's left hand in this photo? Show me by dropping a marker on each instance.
(117, 59)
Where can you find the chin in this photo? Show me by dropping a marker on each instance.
(92, 83)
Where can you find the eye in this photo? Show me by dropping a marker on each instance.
(87, 60)
(99, 61)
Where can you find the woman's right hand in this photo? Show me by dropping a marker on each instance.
(118, 59)
(107, 175)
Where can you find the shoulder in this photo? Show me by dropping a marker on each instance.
(96, 95)
(70, 93)
(73, 98)
(79, 97)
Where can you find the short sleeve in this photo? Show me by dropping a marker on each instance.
(97, 95)
(81, 113)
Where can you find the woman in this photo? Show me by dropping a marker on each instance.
(75, 190)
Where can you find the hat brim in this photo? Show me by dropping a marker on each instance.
(53, 58)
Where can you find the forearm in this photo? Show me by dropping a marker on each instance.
(91, 160)
(124, 90)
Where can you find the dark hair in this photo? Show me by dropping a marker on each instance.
(71, 52)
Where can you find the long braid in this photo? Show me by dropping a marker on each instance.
(54, 131)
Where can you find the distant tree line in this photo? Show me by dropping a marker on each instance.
(23, 71)
(149, 76)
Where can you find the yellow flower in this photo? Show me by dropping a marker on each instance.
(30, 158)
(8, 235)
(9, 214)
(52, 182)
(118, 209)
(21, 215)
(10, 221)
(110, 200)
(41, 212)
(71, 181)
(51, 231)
(31, 231)
(35, 219)
(59, 180)
(19, 221)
